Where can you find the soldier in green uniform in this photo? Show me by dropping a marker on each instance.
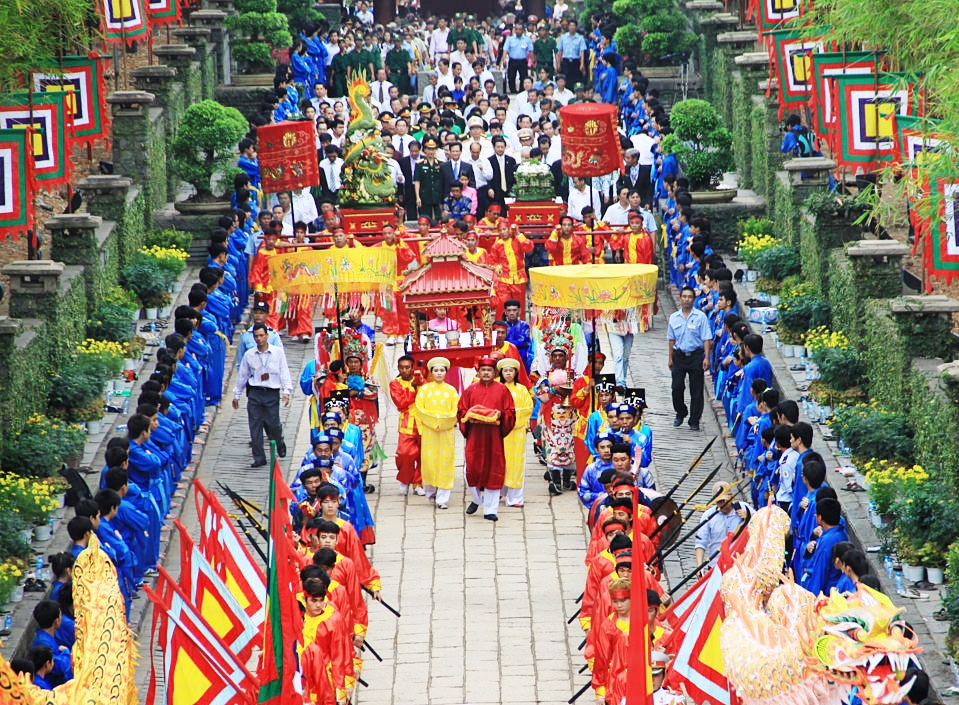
(544, 49)
(399, 64)
(459, 31)
(476, 37)
(371, 59)
(426, 181)
(342, 67)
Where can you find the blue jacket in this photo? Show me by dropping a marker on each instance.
(62, 665)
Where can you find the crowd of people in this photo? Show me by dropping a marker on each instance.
(455, 139)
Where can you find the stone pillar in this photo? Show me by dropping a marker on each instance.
(115, 198)
(215, 20)
(161, 81)
(139, 149)
(86, 241)
(182, 59)
(877, 265)
(808, 175)
(205, 80)
(332, 13)
(34, 287)
(926, 324)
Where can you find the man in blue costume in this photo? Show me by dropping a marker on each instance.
(757, 367)
(47, 615)
(820, 573)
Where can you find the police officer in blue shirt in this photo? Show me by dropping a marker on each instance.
(690, 340)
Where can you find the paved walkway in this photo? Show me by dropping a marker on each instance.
(484, 605)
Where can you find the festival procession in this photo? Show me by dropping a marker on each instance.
(468, 333)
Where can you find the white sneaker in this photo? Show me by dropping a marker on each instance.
(391, 340)
(404, 488)
(419, 490)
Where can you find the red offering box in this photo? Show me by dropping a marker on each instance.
(361, 222)
(536, 213)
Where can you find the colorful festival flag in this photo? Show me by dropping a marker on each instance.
(81, 79)
(773, 14)
(16, 197)
(231, 559)
(215, 603)
(49, 120)
(278, 676)
(826, 65)
(123, 20)
(941, 254)
(866, 108)
(199, 669)
(162, 12)
(792, 51)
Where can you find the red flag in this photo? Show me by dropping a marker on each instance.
(284, 621)
(590, 141)
(287, 156)
(199, 669)
(213, 600)
(231, 559)
(639, 672)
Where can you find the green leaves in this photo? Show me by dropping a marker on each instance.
(205, 141)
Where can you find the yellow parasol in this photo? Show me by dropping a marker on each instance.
(601, 287)
(340, 270)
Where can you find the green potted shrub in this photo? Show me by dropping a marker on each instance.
(257, 31)
(203, 149)
(149, 282)
(702, 143)
(77, 392)
(667, 40)
(839, 216)
(42, 447)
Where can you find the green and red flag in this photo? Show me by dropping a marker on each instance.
(774, 14)
(941, 254)
(278, 674)
(123, 20)
(81, 79)
(866, 107)
(16, 184)
(826, 65)
(47, 118)
(792, 51)
(162, 12)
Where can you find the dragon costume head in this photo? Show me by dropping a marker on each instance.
(862, 641)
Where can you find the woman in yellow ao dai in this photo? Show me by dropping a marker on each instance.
(435, 411)
(515, 443)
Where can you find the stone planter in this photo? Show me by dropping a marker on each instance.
(165, 311)
(43, 532)
(936, 576)
(202, 207)
(16, 596)
(913, 573)
(150, 313)
(27, 535)
(94, 427)
(252, 79)
(718, 196)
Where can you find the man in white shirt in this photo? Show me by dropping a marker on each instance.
(338, 133)
(444, 76)
(482, 169)
(265, 375)
(644, 143)
(580, 196)
(380, 91)
(364, 14)
(395, 170)
(332, 48)
(401, 138)
(617, 214)
(483, 73)
(320, 97)
(304, 207)
(429, 90)
(331, 167)
(439, 47)
(562, 94)
(477, 135)
(531, 105)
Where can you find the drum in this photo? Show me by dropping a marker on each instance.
(665, 511)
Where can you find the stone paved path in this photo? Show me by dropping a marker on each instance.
(484, 605)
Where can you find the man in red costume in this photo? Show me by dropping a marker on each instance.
(395, 320)
(507, 256)
(486, 415)
(260, 276)
(584, 399)
(637, 245)
(326, 659)
(608, 644)
(403, 393)
(347, 542)
(566, 247)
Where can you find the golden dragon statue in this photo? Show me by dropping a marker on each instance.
(104, 655)
(782, 645)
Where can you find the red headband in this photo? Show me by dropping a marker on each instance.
(619, 594)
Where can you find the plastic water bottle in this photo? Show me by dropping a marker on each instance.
(808, 366)
(888, 566)
(7, 621)
(897, 578)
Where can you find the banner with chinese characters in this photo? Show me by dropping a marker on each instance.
(866, 108)
(287, 153)
(793, 51)
(343, 270)
(123, 20)
(49, 120)
(590, 140)
(81, 80)
(16, 199)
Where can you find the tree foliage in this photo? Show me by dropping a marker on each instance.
(204, 143)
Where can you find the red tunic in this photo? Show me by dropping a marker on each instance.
(403, 395)
(562, 251)
(508, 256)
(638, 248)
(348, 543)
(609, 640)
(327, 660)
(485, 456)
(344, 572)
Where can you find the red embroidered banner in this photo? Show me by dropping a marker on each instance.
(287, 154)
(590, 140)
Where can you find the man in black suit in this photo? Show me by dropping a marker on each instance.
(504, 173)
(453, 168)
(408, 167)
